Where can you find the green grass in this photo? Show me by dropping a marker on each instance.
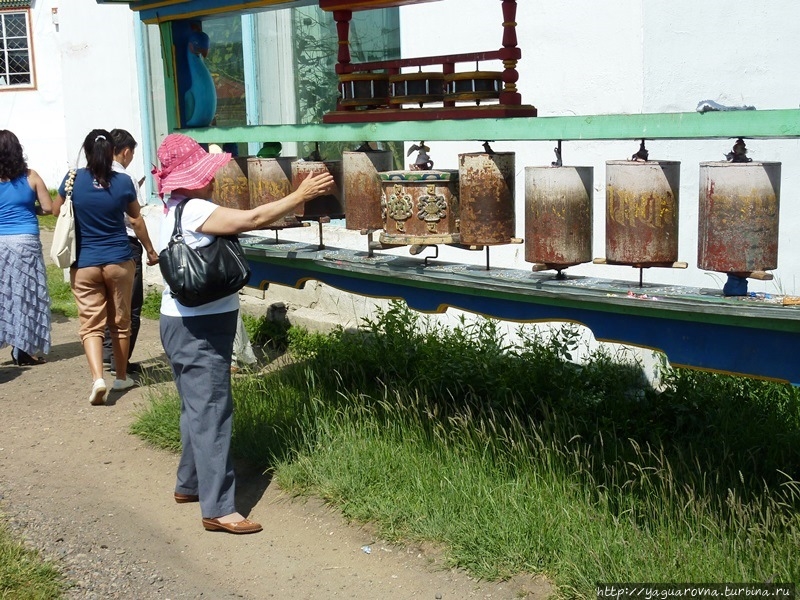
(151, 306)
(62, 302)
(47, 222)
(516, 460)
(271, 335)
(23, 574)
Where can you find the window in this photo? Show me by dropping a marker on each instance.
(225, 61)
(16, 57)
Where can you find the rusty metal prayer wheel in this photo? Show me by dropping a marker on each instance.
(642, 212)
(231, 186)
(271, 180)
(486, 197)
(558, 216)
(738, 216)
(361, 187)
(420, 207)
(330, 205)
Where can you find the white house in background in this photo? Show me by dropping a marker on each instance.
(67, 67)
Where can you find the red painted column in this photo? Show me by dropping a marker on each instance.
(342, 18)
(511, 54)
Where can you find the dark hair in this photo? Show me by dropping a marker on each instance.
(99, 150)
(12, 160)
(122, 140)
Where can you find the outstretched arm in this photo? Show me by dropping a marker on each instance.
(230, 221)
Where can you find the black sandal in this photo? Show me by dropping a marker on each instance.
(23, 359)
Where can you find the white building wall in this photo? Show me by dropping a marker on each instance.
(85, 61)
(37, 116)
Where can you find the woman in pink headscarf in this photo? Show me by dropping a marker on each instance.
(198, 341)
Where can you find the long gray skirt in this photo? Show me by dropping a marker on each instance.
(24, 300)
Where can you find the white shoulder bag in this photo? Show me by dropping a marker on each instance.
(63, 251)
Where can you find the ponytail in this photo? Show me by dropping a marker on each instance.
(99, 150)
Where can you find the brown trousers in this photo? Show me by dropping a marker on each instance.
(103, 295)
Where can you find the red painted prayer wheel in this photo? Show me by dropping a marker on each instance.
(420, 207)
(361, 187)
(231, 186)
(738, 216)
(642, 212)
(558, 216)
(486, 197)
(330, 205)
(271, 180)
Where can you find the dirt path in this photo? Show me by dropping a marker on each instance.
(97, 501)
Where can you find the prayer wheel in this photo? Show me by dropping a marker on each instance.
(642, 212)
(271, 180)
(416, 88)
(330, 205)
(486, 198)
(420, 207)
(473, 86)
(558, 216)
(361, 187)
(231, 187)
(364, 90)
(738, 216)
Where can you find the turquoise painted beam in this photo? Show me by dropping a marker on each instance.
(783, 123)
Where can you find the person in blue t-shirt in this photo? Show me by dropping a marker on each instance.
(124, 149)
(101, 277)
(25, 309)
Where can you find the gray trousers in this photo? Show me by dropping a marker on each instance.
(199, 351)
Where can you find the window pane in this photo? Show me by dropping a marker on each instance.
(18, 62)
(374, 35)
(18, 43)
(19, 79)
(15, 25)
(225, 61)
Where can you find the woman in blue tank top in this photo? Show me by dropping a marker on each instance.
(24, 300)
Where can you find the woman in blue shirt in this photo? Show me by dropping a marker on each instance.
(102, 275)
(24, 301)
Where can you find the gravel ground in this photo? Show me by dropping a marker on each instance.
(97, 502)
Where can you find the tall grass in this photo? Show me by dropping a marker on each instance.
(517, 460)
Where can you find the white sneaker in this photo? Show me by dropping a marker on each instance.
(98, 393)
(123, 384)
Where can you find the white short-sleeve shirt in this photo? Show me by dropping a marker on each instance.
(195, 213)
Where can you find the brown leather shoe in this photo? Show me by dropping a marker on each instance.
(243, 526)
(184, 498)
